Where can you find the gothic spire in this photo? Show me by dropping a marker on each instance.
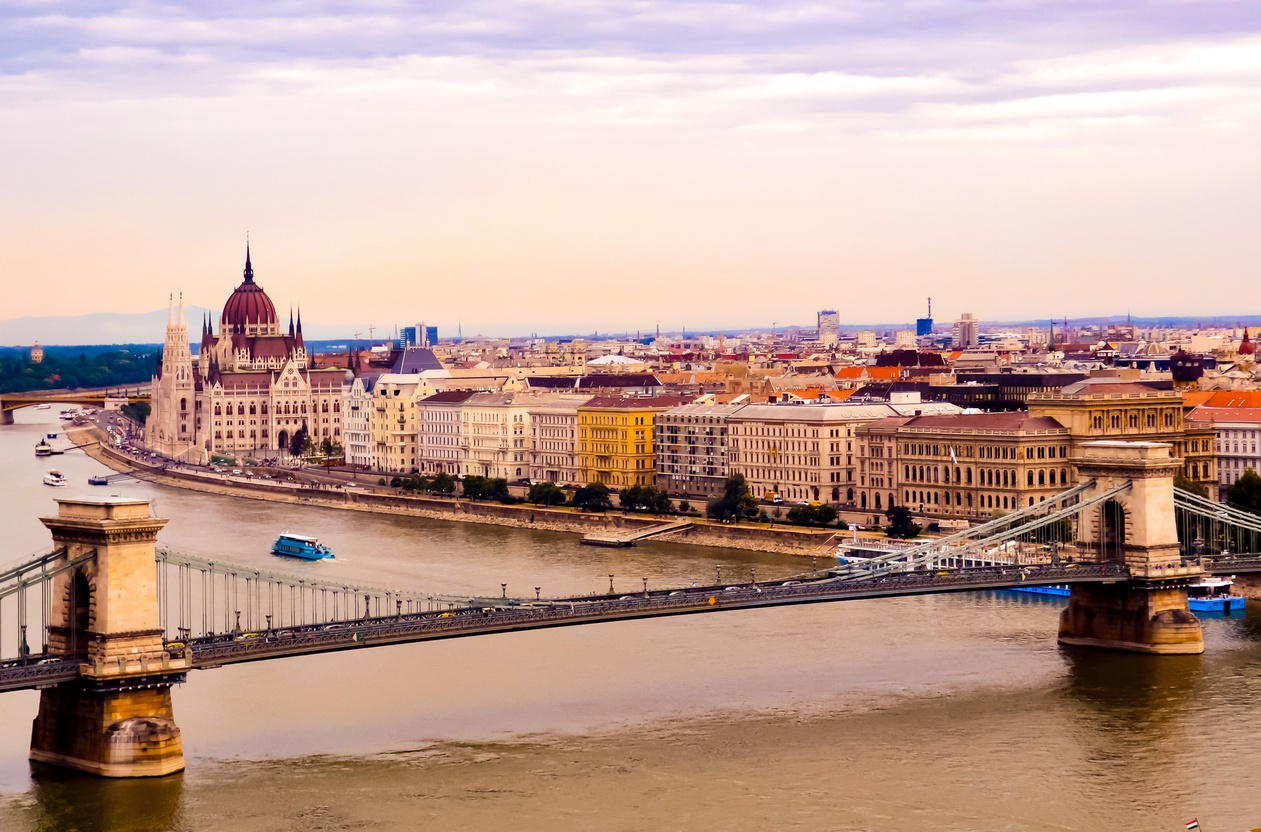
(249, 269)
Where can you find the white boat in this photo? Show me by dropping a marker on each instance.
(43, 407)
(42, 448)
(56, 479)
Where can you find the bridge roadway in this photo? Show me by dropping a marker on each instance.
(215, 651)
(38, 671)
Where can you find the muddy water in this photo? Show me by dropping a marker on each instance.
(951, 712)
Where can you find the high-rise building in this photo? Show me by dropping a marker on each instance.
(829, 326)
(418, 336)
(966, 332)
(924, 326)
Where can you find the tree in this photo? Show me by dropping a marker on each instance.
(546, 494)
(138, 412)
(820, 515)
(330, 448)
(1187, 484)
(497, 489)
(1245, 492)
(736, 503)
(443, 483)
(476, 487)
(593, 497)
(685, 507)
(297, 444)
(900, 524)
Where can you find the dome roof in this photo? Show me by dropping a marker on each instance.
(1246, 347)
(249, 304)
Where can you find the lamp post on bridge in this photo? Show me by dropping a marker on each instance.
(536, 592)
(610, 583)
(504, 587)
(645, 587)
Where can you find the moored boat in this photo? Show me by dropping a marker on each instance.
(42, 448)
(1055, 590)
(1213, 595)
(56, 479)
(300, 546)
(43, 407)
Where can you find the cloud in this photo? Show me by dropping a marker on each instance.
(858, 67)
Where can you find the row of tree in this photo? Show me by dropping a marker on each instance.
(74, 368)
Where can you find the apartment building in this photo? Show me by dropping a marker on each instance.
(691, 449)
(438, 421)
(494, 436)
(615, 439)
(971, 465)
(1233, 434)
(553, 430)
(357, 412)
(806, 452)
(395, 435)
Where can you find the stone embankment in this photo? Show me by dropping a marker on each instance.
(760, 538)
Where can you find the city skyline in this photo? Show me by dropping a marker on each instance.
(635, 162)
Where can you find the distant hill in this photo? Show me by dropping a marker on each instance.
(121, 328)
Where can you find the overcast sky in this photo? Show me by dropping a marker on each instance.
(565, 166)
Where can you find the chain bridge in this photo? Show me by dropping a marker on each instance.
(107, 621)
(100, 398)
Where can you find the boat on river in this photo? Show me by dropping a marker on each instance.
(43, 407)
(300, 546)
(42, 448)
(56, 479)
(1205, 595)
(1213, 595)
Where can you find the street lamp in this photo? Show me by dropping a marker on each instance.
(645, 587)
(610, 583)
(536, 593)
(504, 587)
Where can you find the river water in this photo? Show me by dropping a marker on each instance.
(937, 713)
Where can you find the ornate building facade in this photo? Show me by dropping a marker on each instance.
(250, 390)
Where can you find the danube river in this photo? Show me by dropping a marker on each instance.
(938, 713)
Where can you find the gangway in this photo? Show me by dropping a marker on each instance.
(629, 538)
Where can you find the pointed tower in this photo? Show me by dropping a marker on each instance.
(171, 427)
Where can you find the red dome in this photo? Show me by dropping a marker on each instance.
(1246, 347)
(249, 304)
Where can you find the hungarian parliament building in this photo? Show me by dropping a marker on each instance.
(250, 389)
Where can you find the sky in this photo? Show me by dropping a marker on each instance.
(576, 166)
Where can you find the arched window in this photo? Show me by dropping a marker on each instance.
(1030, 478)
(967, 476)
(1041, 477)
(304, 407)
(264, 408)
(253, 408)
(218, 412)
(240, 409)
(1051, 476)
(877, 500)
(969, 499)
(183, 404)
(862, 498)
(1063, 476)
(324, 409)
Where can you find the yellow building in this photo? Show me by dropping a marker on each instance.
(615, 440)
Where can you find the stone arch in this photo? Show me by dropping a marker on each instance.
(282, 440)
(1112, 532)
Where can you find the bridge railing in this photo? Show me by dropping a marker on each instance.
(200, 597)
(1210, 529)
(1046, 532)
(28, 606)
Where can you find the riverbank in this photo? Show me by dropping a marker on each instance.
(701, 532)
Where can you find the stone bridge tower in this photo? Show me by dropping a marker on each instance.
(115, 720)
(1136, 526)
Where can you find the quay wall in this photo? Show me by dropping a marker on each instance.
(761, 538)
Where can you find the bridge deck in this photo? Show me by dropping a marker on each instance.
(562, 612)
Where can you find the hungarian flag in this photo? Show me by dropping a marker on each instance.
(1193, 824)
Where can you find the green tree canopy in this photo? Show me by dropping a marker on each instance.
(443, 483)
(736, 503)
(900, 523)
(1188, 484)
(546, 494)
(593, 497)
(1245, 492)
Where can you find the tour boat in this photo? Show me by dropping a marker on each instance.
(68, 414)
(1055, 590)
(1213, 595)
(55, 478)
(1205, 595)
(298, 546)
(43, 407)
(42, 448)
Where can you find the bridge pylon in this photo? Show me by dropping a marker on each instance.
(1136, 527)
(116, 719)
